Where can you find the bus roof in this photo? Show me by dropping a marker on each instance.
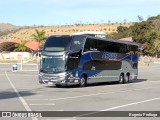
(140, 46)
(118, 41)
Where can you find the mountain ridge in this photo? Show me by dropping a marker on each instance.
(7, 27)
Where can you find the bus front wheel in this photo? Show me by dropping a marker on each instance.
(121, 79)
(83, 81)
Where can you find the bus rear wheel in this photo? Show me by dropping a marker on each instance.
(126, 80)
(83, 81)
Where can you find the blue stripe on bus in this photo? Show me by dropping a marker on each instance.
(90, 73)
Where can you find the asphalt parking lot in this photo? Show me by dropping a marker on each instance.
(20, 91)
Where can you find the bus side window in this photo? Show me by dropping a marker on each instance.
(88, 45)
(77, 43)
(92, 45)
(134, 49)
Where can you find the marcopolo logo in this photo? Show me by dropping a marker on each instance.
(107, 55)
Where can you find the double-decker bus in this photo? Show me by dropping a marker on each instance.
(81, 60)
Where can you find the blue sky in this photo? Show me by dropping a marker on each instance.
(61, 12)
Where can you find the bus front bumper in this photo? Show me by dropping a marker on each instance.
(60, 79)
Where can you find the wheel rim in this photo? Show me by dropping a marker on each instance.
(121, 79)
(127, 79)
(82, 82)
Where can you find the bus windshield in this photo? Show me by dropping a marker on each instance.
(57, 44)
(52, 64)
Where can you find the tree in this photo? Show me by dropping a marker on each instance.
(156, 45)
(144, 32)
(20, 46)
(39, 37)
(140, 18)
(125, 21)
(122, 32)
(109, 22)
(108, 36)
(122, 29)
(154, 17)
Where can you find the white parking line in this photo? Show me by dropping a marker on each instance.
(37, 99)
(38, 95)
(26, 106)
(43, 104)
(154, 81)
(61, 119)
(144, 101)
(112, 92)
(28, 88)
(121, 106)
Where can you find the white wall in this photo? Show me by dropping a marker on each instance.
(16, 55)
